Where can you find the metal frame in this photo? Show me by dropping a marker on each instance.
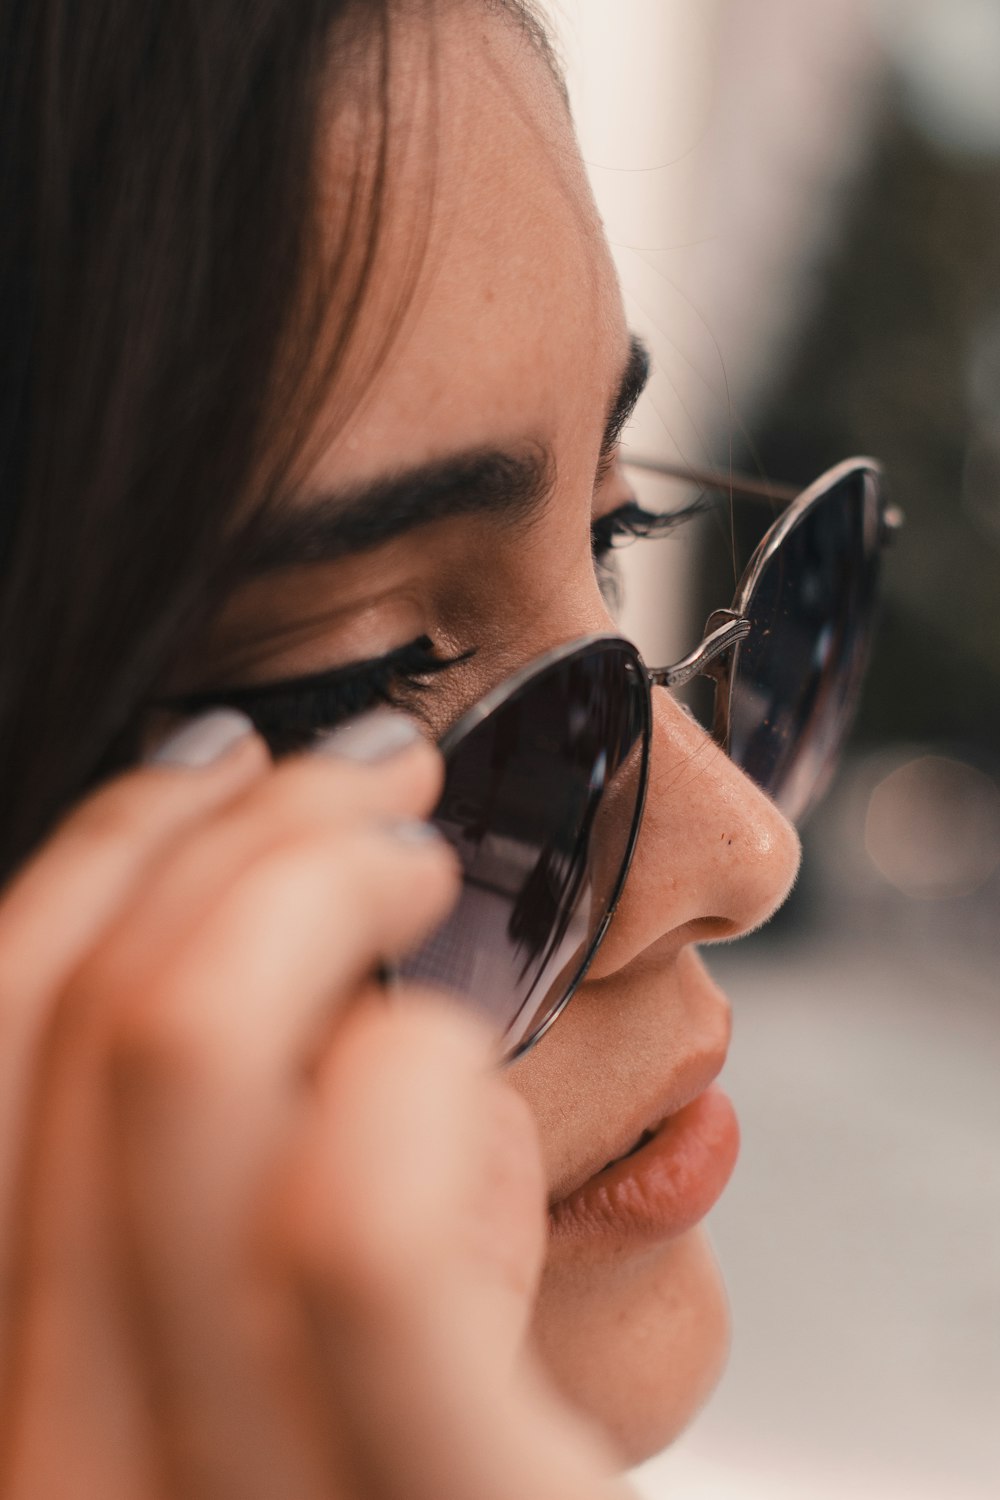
(714, 657)
(506, 692)
(725, 628)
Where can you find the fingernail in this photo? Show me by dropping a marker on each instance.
(375, 736)
(202, 740)
(412, 831)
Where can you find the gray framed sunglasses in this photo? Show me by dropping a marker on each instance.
(546, 776)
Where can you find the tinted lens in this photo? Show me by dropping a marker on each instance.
(797, 676)
(541, 801)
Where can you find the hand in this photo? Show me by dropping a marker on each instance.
(261, 1233)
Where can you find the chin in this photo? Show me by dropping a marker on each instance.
(636, 1342)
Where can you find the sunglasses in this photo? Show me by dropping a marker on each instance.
(546, 776)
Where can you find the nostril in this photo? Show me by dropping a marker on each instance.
(713, 929)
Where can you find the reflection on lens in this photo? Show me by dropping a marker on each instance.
(797, 675)
(524, 803)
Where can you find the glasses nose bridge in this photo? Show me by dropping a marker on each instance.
(723, 630)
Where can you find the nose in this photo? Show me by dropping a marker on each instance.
(714, 858)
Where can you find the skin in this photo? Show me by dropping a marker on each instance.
(203, 1287)
(516, 333)
(259, 1233)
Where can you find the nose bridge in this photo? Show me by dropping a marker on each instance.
(714, 858)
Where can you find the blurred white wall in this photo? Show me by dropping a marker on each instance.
(722, 138)
(719, 136)
(642, 77)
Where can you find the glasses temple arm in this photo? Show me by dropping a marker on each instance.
(713, 479)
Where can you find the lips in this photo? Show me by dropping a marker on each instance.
(653, 1171)
(664, 1184)
(644, 1139)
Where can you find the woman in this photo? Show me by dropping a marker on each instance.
(261, 1233)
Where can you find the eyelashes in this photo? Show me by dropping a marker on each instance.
(631, 522)
(291, 713)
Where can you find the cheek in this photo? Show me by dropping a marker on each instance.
(638, 1343)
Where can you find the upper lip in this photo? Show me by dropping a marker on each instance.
(688, 1082)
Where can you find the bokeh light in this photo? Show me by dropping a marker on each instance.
(933, 828)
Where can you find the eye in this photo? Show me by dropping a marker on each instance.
(630, 522)
(291, 713)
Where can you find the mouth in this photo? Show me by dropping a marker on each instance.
(644, 1140)
(661, 1185)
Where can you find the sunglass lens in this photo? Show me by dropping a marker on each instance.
(541, 802)
(797, 676)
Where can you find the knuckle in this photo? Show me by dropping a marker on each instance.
(148, 1036)
(152, 1048)
(95, 983)
(114, 815)
(140, 1047)
(335, 1265)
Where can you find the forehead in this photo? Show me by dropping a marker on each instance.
(492, 268)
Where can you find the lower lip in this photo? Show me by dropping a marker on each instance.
(667, 1186)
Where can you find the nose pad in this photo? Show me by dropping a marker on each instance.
(714, 858)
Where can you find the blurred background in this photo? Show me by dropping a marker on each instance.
(804, 202)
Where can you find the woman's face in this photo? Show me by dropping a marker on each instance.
(514, 342)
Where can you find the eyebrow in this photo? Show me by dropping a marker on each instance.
(634, 380)
(328, 527)
(507, 485)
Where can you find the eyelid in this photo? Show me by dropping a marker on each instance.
(418, 656)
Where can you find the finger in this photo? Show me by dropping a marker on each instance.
(72, 889)
(99, 886)
(414, 1219)
(94, 857)
(334, 781)
(64, 1110)
(265, 969)
(207, 1077)
(101, 868)
(415, 1089)
(319, 794)
(264, 890)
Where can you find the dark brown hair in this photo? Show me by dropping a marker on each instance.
(165, 287)
(155, 209)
